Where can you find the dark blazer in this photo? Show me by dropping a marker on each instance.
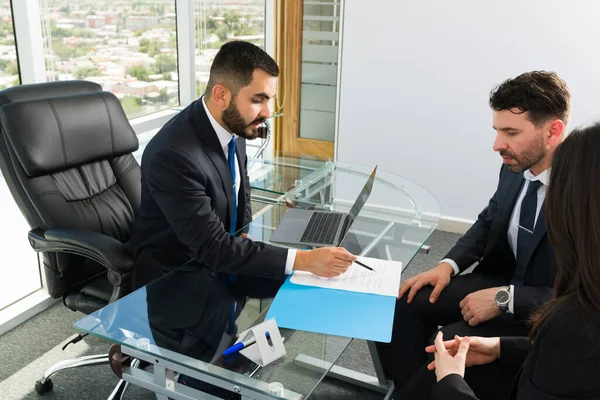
(186, 209)
(486, 242)
(564, 363)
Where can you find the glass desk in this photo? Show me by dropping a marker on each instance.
(394, 224)
(145, 326)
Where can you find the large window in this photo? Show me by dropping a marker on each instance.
(219, 21)
(19, 265)
(9, 68)
(128, 47)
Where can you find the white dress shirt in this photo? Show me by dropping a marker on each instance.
(513, 226)
(224, 138)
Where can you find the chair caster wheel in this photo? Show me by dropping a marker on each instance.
(45, 387)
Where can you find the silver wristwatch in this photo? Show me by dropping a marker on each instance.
(503, 298)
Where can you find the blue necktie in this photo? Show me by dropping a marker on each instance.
(525, 231)
(231, 278)
(231, 159)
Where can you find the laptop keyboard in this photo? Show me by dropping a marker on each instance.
(321, 228)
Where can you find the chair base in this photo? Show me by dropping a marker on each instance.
(45, 384)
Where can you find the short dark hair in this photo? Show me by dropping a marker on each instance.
(572, 216)
(235, 63)
(543, 95)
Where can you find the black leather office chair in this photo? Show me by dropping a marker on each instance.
(65, 153)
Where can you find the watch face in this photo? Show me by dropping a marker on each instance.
(502, 297)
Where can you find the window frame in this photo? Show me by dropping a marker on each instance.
(32, 69)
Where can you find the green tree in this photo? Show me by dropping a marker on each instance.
(164, 97)
(152, 48)
(63, 51)
(164, 63)
(65, 10)
(131, 105)
(60, 32)
(138, 71)
(83, 33)
(82, 73)
(222, 32)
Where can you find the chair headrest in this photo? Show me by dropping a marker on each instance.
(46, 90)
(55, 134)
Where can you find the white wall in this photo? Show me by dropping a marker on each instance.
(416, 77)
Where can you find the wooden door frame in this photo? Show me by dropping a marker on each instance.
(288, 54)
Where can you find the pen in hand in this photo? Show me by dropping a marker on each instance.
(364, 266)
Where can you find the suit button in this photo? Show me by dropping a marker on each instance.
(212, 274)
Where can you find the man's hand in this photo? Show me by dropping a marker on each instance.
(244, 235)
(447, 363)
(326, 262)
(481, 350)
(439, 277)
(480, 306)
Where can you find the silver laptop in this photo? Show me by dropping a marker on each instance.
(320, 228)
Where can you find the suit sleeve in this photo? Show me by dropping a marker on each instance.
(248, 203)
(452, 387)
(471, 247)
(513, 352)
(565, 363)
(179, 188)
(528, 298)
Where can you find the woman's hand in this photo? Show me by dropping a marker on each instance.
(447, 363)
(481, 350)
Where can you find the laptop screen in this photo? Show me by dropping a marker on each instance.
(363, 196)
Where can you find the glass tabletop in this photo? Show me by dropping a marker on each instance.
(147, 320)
(278, 174)
(395, 222)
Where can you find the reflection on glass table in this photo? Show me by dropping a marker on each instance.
(394, 224)
(147, 325)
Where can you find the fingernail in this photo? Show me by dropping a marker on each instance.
(431, 299)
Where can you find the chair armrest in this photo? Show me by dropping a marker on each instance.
(109, 252)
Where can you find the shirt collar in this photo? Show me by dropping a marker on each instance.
(222, 134)
(542, 176)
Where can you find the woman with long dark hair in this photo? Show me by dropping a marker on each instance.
(561, 358)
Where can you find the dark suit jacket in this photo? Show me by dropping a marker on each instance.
(563, 364)
(186, 209)
(486, 242)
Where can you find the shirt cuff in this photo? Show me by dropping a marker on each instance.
(289, 262)
(511, 302)
(454, 266)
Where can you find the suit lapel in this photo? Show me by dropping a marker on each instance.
(213, 149)
(507, 205)
(539, 231)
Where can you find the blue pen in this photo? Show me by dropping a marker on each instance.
(241, 345)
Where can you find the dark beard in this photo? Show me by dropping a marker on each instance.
(234, 121)
(528, 158)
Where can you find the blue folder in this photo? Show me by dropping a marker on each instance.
(334, 312)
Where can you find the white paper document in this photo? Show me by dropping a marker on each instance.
(383, 280)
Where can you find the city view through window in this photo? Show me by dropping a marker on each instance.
(9, 69)
(130, 47)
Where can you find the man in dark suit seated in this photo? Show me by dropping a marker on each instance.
(196, 196)
(515, 263)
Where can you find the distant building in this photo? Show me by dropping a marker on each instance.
(94, 22)
(140, 22)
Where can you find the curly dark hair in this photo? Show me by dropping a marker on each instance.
(235, 63)
(543, 95)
